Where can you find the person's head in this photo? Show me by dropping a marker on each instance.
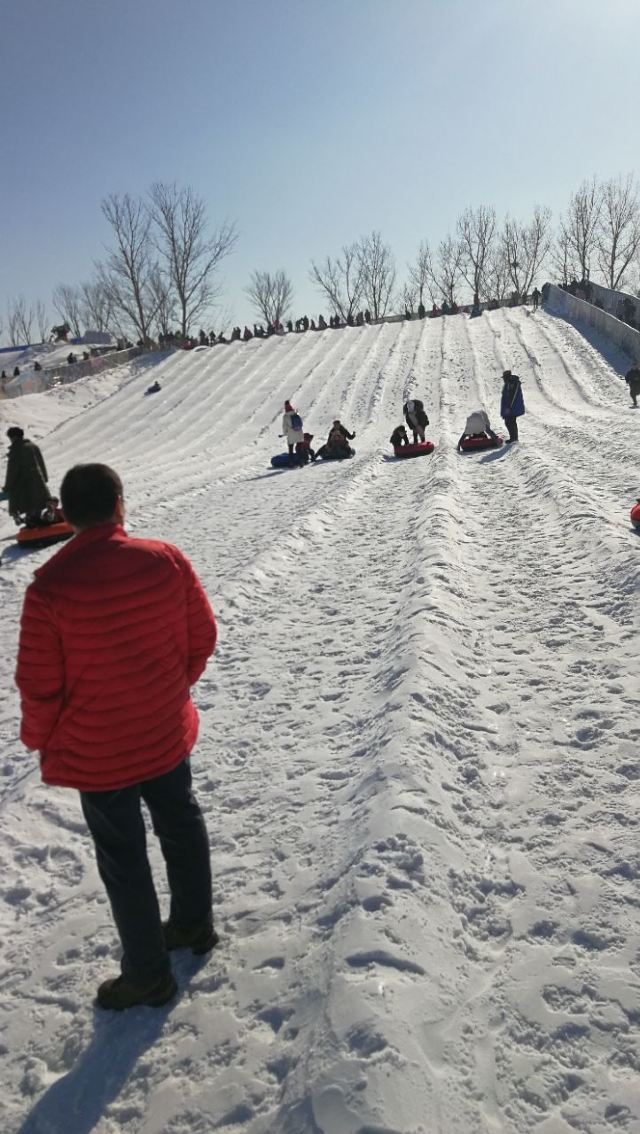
(90, 495)
(288, 408)
(15, 433)
(506, 374)
(336, 421)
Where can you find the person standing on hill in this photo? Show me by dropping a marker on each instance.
(632, 378)
(114, 633)
(416, 418)
(511, 404)
(26, 479)
(292, 429)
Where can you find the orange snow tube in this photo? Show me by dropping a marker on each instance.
(635, 516)
(44, 535)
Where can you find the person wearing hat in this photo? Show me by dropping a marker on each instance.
(26, 480)
(511, 404)
(291, 428)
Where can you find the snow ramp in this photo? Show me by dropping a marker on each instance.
(418, 755)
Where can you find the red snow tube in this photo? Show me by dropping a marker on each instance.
(477, 444)
(422, 449)
(635, 515)
(44, 535)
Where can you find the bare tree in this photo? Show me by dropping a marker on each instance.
(562, 256)
(421, 272)
(13, 322)
(525, 247)
(164, 300)
(476, 231)
(341, 280)
(618, 236)
(96, 305)
(378, 273)
(125, 275)
(579, 229)
(191, 256)
(42, 321)
(409, 296)
(496, 280)
(270, 294)
(68, 303)
(20, 316)
(447, 270)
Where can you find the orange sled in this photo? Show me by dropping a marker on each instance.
(44, 535)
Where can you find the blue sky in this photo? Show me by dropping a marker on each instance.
(309, 124)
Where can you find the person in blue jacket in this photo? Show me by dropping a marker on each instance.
(511, 404)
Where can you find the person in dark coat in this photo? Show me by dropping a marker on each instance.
(399, 437)
(632, 378)
(535, 296)
(26, 480)
(416, 418)
(337, 442)
(16, 372)
(511, 404)
(304, 450)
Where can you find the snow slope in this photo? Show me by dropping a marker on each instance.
(418, 756)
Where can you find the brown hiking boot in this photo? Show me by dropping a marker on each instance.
(119, 993)
(199, 938)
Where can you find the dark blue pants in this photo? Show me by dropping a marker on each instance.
(512, 425)
(116, 824)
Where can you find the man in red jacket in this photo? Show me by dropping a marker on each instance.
(114, 633)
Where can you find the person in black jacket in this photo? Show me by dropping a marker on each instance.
(337, 445)
(632, 378)
(399, 437)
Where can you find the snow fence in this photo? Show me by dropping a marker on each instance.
(35, 381)
(570, 307)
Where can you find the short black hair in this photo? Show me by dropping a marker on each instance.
(14, 431)
(89, 494)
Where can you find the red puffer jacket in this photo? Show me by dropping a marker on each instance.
(114, 632)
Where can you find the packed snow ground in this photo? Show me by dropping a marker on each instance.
(418, 756)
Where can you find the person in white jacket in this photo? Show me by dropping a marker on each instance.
(293, 436)
(478, 426)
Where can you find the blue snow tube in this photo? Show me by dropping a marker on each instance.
(281, 461)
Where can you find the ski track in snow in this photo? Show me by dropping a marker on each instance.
(418, 755)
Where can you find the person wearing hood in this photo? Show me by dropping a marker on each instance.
(511, 404)
(291, 429)
(26, 480)
(416, 418)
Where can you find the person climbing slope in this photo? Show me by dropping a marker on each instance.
(511, 404)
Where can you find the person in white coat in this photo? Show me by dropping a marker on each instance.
(293, 435)
(478, 426)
